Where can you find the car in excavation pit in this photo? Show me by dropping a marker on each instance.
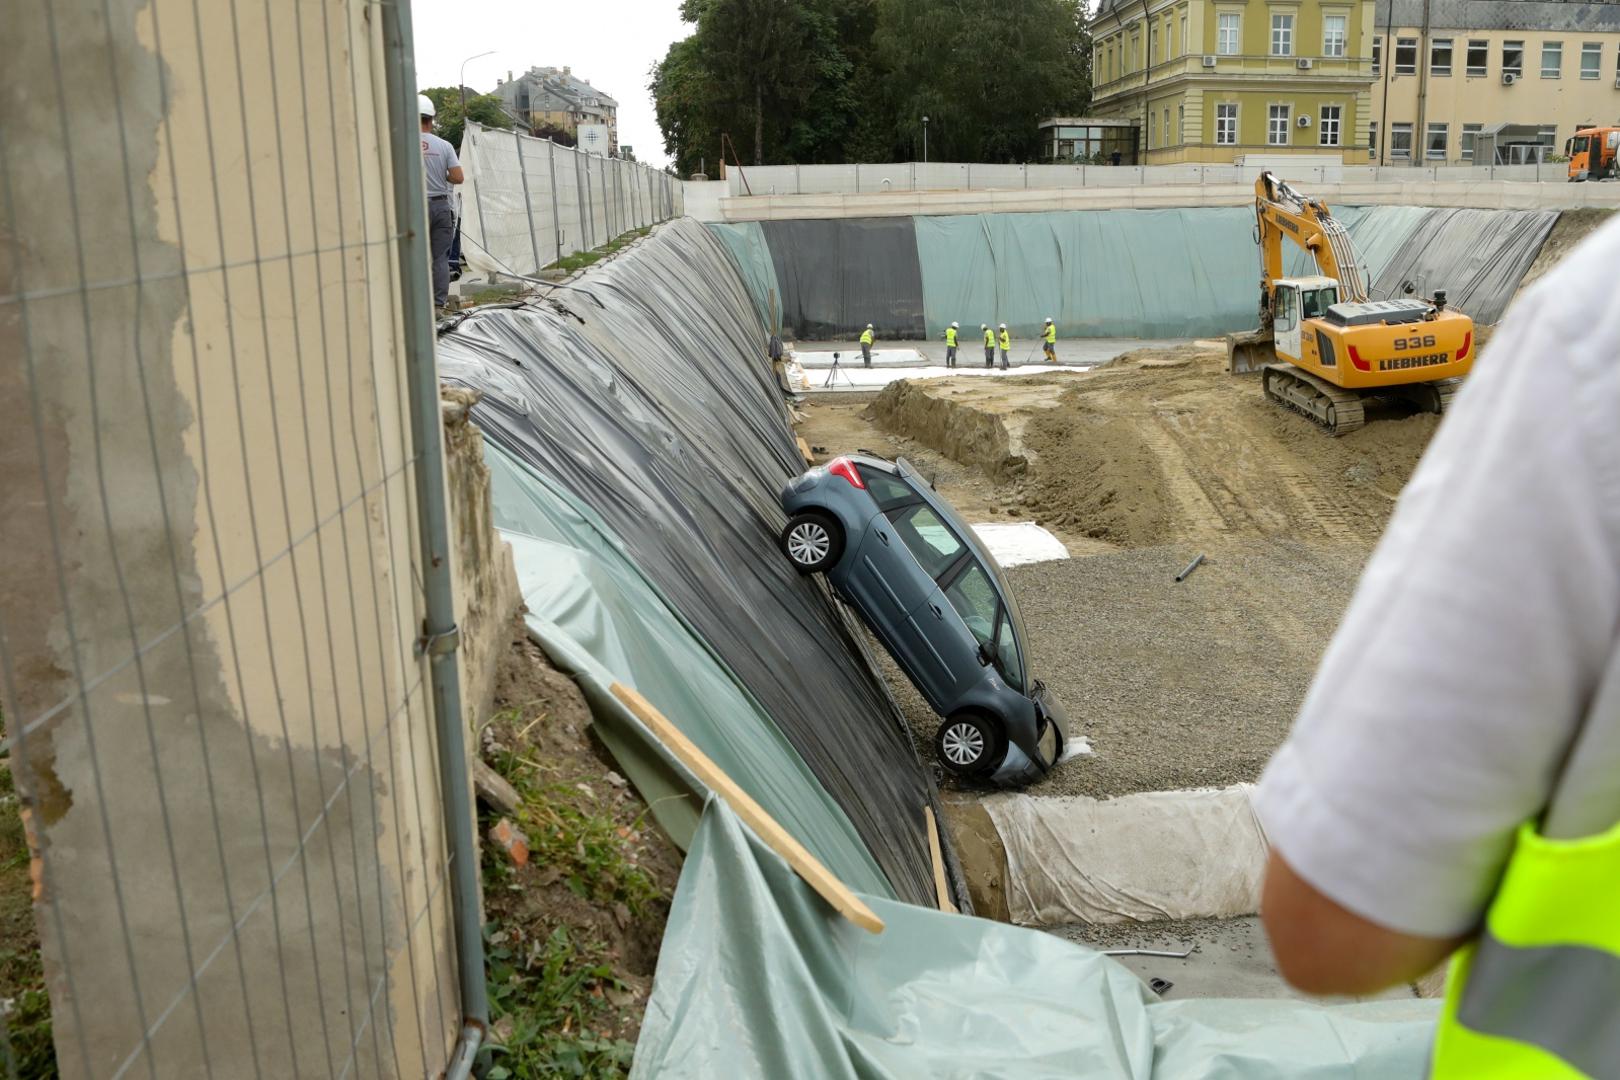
(933, 594)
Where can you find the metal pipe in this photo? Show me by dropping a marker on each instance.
(1148, 952)
(528, 208)
(440, 634)
(1185, 574)
(556, 215)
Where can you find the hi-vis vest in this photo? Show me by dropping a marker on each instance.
(950, 336)
(1050, 336)
(1006, 339)
(989, 339)
(866, 337)
(1538, 995)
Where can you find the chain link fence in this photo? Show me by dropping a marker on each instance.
(529, 202)
(232, 734)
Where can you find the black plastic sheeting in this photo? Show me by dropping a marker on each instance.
(1477, 256)
(643, 389)
(837, 276)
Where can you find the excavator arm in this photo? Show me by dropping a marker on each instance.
(1280, 212)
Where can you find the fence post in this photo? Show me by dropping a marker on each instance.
(587, 213)
(471, 133)
(556, 214)
(528, 209)
(439, 627)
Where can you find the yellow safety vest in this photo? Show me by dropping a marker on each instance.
(989, 339)
(950, 336)
(1006, 339)
(1051, 334)
(866, 337)
(1538, 995)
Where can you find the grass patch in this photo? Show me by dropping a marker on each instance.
(583, 259)
(25, 1007)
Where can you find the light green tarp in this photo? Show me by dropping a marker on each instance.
(746, 242)
(1096, 273)
(757, 978)
(602, 621)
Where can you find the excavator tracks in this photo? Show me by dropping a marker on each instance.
(1333, 407)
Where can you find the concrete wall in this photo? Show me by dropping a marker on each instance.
(1482, 195)
(208, 603)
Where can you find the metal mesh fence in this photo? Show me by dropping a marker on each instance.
(528, 202)
(217, 705)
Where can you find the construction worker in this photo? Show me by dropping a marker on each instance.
(989, 345)
(1049, 341)
(1453, 779)
(950, 344)
(866, 345)
(1004, 340)
(443, 171)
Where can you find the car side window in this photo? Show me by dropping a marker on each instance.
(1012, 665)
(974, 598)
(928, 538)
(889, 491)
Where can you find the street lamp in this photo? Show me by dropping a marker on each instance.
(461, 81)
(925, 140)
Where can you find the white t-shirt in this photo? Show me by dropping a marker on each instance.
(438, 158)
(1482, 641)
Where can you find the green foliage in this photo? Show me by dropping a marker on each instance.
(25, 1024)
(482, 109)
(543, 1000)
(850, 80)
(586, 258)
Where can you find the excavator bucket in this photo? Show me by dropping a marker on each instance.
(1249, 351)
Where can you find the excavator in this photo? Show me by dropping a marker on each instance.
(1324, 346)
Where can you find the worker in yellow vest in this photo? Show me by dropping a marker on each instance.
(1452, 782)
(1004, 340)
(989, 345)
(866, 345)
(950, 344)
(1049, 342)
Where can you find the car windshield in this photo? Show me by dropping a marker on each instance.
(928, 538)
(1580, 145)
(1317, 301)
(974, 598)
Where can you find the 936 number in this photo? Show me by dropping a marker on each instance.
(1424, 341)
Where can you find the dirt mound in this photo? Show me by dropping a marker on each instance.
(957, 430)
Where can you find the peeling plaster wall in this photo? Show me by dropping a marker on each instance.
(208, 599)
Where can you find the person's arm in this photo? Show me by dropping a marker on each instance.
(454, 175)
(1443, 709)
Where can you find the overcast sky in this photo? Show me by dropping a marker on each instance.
(613, 43)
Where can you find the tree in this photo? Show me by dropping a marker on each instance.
(482, 109)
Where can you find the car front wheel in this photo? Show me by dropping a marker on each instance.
(968, 744)
(812, 542)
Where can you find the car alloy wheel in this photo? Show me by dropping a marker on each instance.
(808, 543)
(962, 743)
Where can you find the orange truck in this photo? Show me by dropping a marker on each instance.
(1592, 154)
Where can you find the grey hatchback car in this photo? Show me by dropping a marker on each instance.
(927, 586)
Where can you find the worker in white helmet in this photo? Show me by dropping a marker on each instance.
(1004, 341)
(950, 344)
(866, 345)
(1049, 341)
(989, 345)
(443, 171)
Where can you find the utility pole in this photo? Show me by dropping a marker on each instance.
(925, 139)
(461, 83)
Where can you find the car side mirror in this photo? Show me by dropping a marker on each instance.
(987, 653)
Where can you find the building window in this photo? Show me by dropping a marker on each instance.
(1378, 55)
(1329, 131)
(1440, 56)
(1552, 59)
(1277, 120)
(1181, 125)
(1167, 125)
(1136, 50)
(1466, 142)
(1400, 142)
(1513, 58)
(1591, 59)
(1282, 35)
(1406, 56)
(1169, 37)
(1333, 35)
(1372, 137)
(1183, 35)
(1226, 125)
(1147, 60)
(1479, 57)
(1228, 34)
(1434, 141)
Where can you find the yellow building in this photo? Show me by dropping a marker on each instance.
(1231, 80)
(1525, 74)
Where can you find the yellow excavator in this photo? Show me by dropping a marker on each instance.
(1336, 346)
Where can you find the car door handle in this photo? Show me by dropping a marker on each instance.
(938, 612)
(883, 536)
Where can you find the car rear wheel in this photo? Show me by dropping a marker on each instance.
(812, 542)
(968, 744)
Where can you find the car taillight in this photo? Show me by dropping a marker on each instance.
(1468, 343)
(1355, 358)
(846, 468)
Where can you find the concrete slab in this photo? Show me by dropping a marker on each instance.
(1083, 352)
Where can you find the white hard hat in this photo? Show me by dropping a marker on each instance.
(1048, 319)
(984, 326)
(424, 105)
(1004, 326)
(956, 326)
(869, 326)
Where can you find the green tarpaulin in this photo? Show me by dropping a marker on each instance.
(746, 243)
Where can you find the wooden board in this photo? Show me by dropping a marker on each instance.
(804, 451)
(941, 888)
(778, 839)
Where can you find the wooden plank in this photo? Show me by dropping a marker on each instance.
(804, 451)
(937, 853)
(806, 865)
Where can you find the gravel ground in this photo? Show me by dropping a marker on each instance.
(1175, 685)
